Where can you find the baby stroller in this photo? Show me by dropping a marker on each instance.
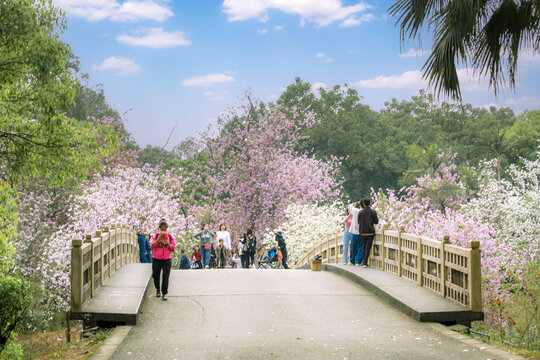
(273, 257)
(265, 259)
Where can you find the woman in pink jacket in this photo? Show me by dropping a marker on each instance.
(163, 245)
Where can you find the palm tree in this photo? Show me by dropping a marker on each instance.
(485, 34)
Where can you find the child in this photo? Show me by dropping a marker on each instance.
(213, 260)
(221, 254)
(184, 261)
(236, 260)
(196, 257)
(264, 259)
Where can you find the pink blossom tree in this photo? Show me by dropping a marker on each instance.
(253, 170)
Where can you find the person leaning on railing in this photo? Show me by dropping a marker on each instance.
(163, 245)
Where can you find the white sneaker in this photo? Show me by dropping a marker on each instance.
(357, 265)
(364, 266)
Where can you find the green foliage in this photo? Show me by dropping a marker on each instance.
(89, 102)
(12, 350)
(403, 141)
(36, 138)
(14, 301)
(8, 224)
(488, 35)
(524, 306)
(523, 138)
(155, 155)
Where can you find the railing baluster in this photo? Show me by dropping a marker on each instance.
(446, 240)
(475, 280)
(419, 260)
(400, 253)
(76, 275)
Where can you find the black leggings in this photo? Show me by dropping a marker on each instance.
(245, 260)
(284, 260)
(157, 266)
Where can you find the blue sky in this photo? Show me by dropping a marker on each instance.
(183, 63)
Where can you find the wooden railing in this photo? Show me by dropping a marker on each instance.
(96, 258)
(452, 271)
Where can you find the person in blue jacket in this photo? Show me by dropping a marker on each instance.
(184, 261)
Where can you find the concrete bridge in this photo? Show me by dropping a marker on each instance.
(341, 313)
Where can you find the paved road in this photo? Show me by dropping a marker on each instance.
(279, 314)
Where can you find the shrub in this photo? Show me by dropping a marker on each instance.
(14, 301)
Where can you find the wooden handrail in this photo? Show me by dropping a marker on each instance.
(452, 271)
(96, 258)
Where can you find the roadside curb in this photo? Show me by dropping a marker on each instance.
(501, 354)
(109, 346)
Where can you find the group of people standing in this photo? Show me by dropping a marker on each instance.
(158, 249)
(215, 250)
(359, 233)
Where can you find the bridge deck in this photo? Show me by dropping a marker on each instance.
(120, 298)
(418, 302)
(280, 314)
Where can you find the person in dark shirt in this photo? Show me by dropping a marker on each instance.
(184, 261)
(283, 247)
(367, 218)
(249, 244)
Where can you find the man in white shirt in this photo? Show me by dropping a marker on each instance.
(356, 240)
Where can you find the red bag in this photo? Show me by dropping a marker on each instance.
(279, 255)
(207, 246)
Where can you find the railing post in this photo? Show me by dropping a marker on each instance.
(336, 252)
(419, 260)
(132, 243)
(91, 268)
(475, 280)
(446, 240)
(116, 249)
(98, 235)
(383, 249)
(119, 232)
(76, 275)
(108, 250)
(400, 254)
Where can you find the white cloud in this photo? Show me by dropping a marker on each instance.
(409, 79)
(131, 10)
(262, 32)
(207, 80)
(490, 105)
(414, 53)
(217, 95)
(321, 12)
(155, 38)
(468, 78)
(121, 65)
(529, 58)
(524, 102)
(279, 27)
(324, 57)
(353, 21)
(315, 88)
